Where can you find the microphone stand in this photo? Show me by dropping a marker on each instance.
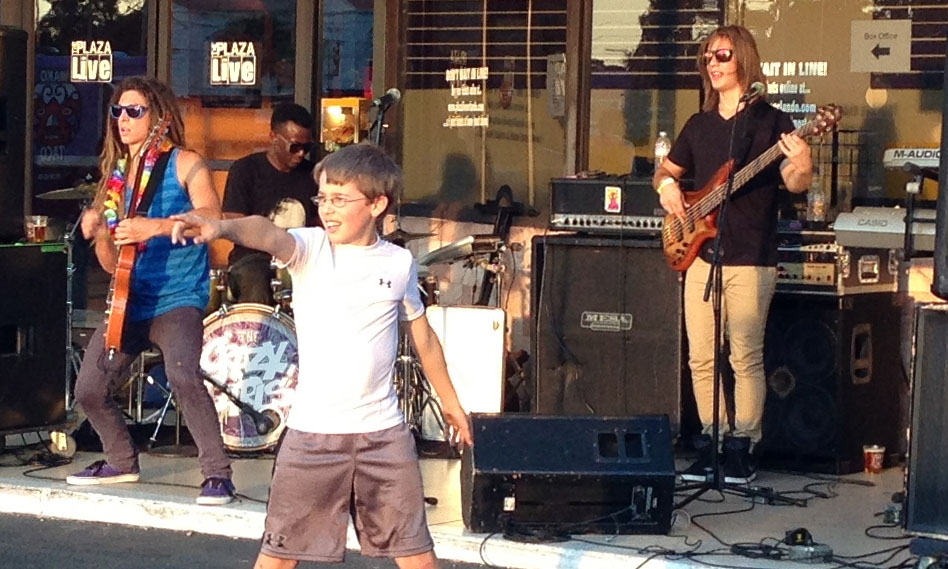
(714, 288)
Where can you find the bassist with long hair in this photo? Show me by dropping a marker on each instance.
(729, 65)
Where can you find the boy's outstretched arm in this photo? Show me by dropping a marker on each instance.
(429, 351)
(255, 232)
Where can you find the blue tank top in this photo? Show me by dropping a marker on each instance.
(168, 276)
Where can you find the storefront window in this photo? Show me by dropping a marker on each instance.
(643, 76)
(347, 48)
(881, 62)
(82, 50)
(484, 102)
(231, 61)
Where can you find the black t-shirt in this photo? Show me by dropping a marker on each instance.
(750, 228)
(255, 187)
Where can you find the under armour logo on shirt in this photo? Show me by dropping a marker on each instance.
(274, 540)
(383, 282)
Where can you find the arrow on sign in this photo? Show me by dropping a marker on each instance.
(877, 51)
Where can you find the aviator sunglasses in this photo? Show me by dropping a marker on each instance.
(133, 111)
(722, 55)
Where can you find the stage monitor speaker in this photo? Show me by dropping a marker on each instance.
(32, 337)
(940, 278)
(926, 512)
(472, 338)
(575, 474)
(834, 381)
(605, 328)
(13, 51)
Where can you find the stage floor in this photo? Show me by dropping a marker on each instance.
(842, 512)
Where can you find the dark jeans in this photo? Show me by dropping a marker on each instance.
(249, 279)
(179, 336)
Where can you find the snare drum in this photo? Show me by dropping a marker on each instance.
(251, 349)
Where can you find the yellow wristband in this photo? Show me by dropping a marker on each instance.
(665, 181)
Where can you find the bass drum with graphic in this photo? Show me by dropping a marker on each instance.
(251, 350)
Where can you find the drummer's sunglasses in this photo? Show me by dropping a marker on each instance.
(133, 111)
(722, 55)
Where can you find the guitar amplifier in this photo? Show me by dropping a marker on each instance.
(606, 204)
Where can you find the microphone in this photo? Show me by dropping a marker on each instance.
(755, 90)
(390, 97)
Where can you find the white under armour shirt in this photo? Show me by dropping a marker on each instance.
(347, 301)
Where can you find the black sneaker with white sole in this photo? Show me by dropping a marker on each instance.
(740, 466)
(700, 469)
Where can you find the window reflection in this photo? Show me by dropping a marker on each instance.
(214, 44)
(68, 117)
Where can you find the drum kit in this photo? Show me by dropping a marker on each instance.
(417, 401)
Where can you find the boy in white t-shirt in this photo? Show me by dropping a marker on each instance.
(347, 450)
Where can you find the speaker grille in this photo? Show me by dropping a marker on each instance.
(606, 328)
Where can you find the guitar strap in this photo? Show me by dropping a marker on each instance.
(157, 175)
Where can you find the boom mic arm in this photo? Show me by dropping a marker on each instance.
(264, 421)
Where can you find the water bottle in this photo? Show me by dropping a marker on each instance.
(816, 199)
(663, 145)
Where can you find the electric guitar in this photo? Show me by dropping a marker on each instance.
(682, 240)
(122, 275)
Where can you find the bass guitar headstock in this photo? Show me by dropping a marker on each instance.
(826, 119)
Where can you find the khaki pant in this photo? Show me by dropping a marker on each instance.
(745, 302)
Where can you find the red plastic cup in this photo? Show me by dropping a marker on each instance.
(873, 456)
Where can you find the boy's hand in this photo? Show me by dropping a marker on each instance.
(459, 424)
(190, 225)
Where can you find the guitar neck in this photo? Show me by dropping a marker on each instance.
(711, 202)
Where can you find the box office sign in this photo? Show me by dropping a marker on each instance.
(233, 63)
(90, 61)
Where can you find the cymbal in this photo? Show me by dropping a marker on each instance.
(80, 192)
(405, 235)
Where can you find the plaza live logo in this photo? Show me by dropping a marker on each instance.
(606, 321)
(90, 61)
(233, 63)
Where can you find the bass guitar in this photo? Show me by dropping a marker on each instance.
(682, 239)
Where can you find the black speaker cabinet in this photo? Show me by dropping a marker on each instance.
(580, 474)
(32, 337)
(834, 381)
(940, 275)
(926, 512)
(13, 50)
(606, 328)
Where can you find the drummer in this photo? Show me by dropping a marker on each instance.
(277, 183)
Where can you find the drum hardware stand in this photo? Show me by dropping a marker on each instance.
(73, 360)
(414, 392)
(177, 449)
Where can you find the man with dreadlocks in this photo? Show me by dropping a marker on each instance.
(169, 284)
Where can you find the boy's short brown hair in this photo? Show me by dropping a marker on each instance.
(374, 173)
